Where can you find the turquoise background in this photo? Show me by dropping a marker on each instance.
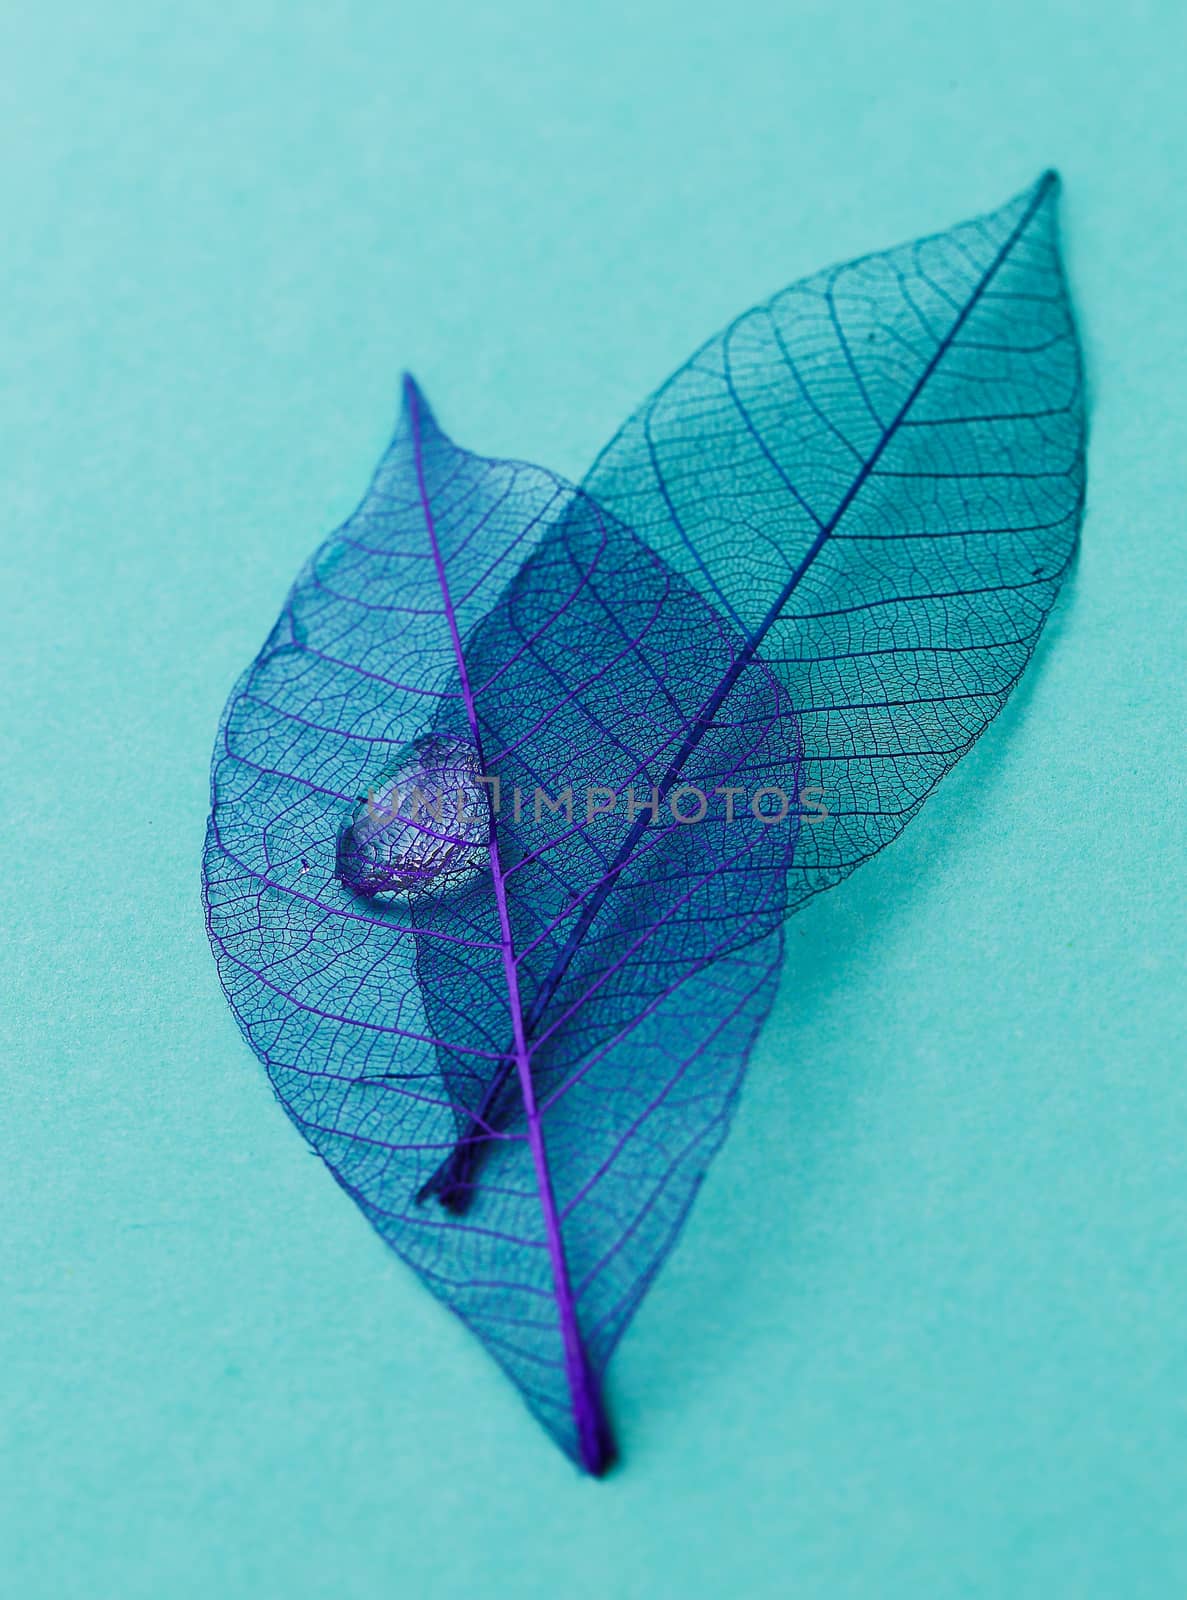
(925, 1333)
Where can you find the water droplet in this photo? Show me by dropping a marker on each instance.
(423, 825)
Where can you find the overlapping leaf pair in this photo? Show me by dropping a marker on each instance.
(509, 811)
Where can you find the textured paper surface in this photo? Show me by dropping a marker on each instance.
(943, 1356)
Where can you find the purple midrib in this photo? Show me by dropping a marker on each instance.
(582, 1389)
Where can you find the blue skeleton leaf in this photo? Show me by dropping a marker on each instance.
(506, 814)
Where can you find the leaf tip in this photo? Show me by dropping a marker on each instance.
(417, 412)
